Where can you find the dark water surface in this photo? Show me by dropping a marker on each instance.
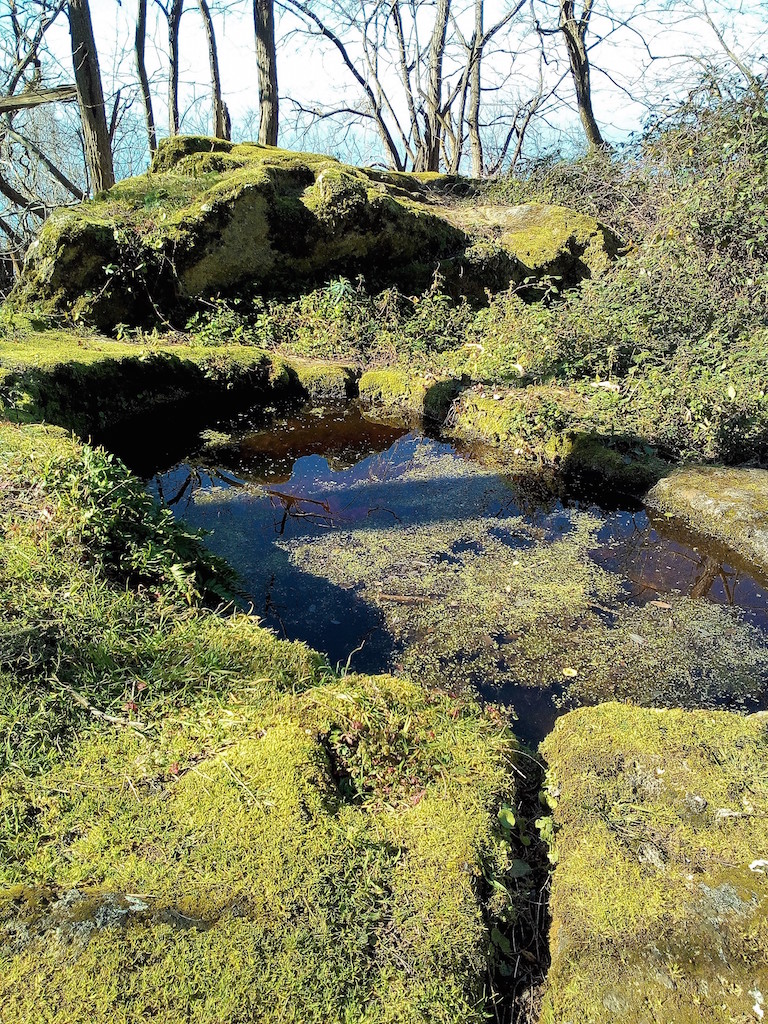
(258, 484)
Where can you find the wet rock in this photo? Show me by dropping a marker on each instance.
(730, 505)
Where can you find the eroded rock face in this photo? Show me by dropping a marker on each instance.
(212, 217)
(730, 505)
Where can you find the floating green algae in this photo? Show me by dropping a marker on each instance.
(475, 595)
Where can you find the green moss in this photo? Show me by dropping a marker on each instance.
(258, 836)
(656, 912)
(170, 151)
(730, 505)
(86, 382)
(528, 421)
(324, 381)
(395, 391)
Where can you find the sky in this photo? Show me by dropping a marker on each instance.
(644, 59)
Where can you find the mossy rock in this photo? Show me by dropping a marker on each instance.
(396, 392)
(553, 425)
(200, 821)
(88, 383)
(214, 217)
(529, 422)
(660, 889)
(728, 504)
(322, 381)
(623, 463)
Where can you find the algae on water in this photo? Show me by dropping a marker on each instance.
(475, 593)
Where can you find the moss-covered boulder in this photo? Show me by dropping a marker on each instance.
(397, 393)
(215, 217)
(728, 504)
(660, 893)
(535, 240)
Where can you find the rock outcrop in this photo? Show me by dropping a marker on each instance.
(214, 217)
(730, 505)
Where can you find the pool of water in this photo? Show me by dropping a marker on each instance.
(390, 550)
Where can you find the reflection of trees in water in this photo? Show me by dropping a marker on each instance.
(198, 478)
(316, 512)
(641, 558)
(293, 506)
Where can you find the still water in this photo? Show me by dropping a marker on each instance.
(323, 513)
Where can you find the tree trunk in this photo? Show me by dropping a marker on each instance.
(174, 19)
(430, 157)
(473, 118)
(141, 67)
(98, 152)
(575, 34)
(266, 60)
(219, 110)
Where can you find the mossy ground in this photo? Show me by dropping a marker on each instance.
(659, 894)
(88, 382)
(245, 832)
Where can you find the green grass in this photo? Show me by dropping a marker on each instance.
(246, 832)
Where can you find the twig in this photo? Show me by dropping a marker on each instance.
(102, 715)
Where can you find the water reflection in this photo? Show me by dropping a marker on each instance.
(320, 471)
(658, 557)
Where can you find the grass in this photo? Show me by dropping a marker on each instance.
(195, 815)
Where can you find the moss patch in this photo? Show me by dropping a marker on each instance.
(659, 895)
(87, 382)
(395, 391)
(198, 818)
(562, 427)
(326, 381)
(730, 505)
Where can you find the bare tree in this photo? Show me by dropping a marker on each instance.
(429, 156)
(221, 125)
(96, 141)
(173, 11)
(574, 31)
(470, 87)
(31, 182)
(141, 68)
(266, 62)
